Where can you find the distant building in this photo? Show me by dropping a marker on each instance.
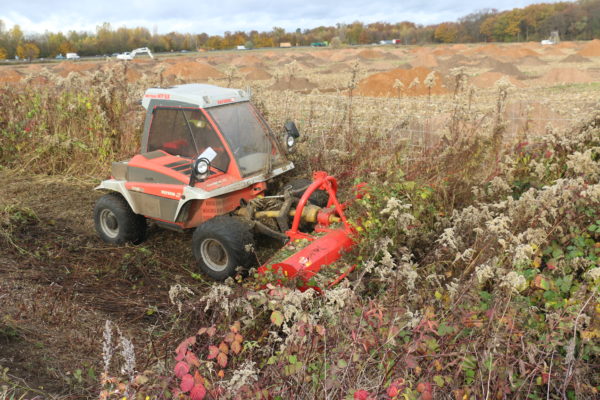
(285, 44)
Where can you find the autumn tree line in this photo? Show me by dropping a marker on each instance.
(579, 20)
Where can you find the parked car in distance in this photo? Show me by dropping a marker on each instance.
(73, 56)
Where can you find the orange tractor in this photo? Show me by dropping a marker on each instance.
(209, 162)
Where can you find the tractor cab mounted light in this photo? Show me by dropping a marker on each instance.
(201, 166)
(292, 134)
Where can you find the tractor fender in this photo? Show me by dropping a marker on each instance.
(118, 186)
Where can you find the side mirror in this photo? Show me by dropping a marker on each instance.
(201, 166)
(292, 134)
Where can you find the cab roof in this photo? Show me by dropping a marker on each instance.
(202, 95)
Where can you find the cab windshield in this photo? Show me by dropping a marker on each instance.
(249, 137)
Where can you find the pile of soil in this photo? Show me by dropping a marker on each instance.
(9, 75)
(489, 79)
(592, 49)
(575, 58)
(566, 75)
(553, 51)
(509, 69)
(293, 83)
(132, 75)
(443, 51)
(515, 53)
(426, 60)
(255, 74)
(456, 60)
(370, 54)
(193, 70)
(247, 61)
(338, 67)
(566, 45)
(532, 61)
(382, 84)
(66, 67)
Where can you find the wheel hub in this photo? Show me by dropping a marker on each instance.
(214, 254)
(109, 223)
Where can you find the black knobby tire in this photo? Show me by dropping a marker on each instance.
(116, 222)
(318, 198)
(222, 244)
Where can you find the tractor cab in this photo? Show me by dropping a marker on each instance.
(205, 149)
(217, 125)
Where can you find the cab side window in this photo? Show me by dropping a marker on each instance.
(170, 132)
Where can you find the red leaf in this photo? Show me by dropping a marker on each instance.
(224, 348)
(230, 337)
(192, 359)
(236, 347)
(239, 338)
(235, 328)
(198, 378)
(213, 352)
(211, 331)
(362, 395)
(222, 360)
(183, 346)
(198, 392)
(411, 362)
(181, 368)
(187, 383)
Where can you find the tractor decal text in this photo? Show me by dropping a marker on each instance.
(225, 101)
(163, 96)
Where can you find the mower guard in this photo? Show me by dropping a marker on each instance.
(322, 250)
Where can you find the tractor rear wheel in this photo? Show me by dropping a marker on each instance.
(221, 245)
(116, 222)
(318, 198)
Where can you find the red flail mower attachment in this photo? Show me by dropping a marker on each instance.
(325, 246)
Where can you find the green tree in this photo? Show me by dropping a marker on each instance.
(446, 32)
(28, 51)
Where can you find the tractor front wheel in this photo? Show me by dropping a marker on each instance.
(116, 222)
(221, 245)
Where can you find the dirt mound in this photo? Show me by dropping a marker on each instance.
(575, 58)
(515, 53)
(443, 51)
(370, 54)
(591, 49)
(508, 69)
(553, 51)
(566, 45)
(193, 70)
(456, 61)
(66, 67)
(489, 79)
(382, 84)
(9, 75)
(132, 75)
(255, 74)
(293, 83)
(532, 61)
(567, 75)
(338, 67)
(247, 61)
(426, 60)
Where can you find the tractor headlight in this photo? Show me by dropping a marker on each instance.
(202, 166)
(290, 141)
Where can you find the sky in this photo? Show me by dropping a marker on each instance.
(216, 17)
